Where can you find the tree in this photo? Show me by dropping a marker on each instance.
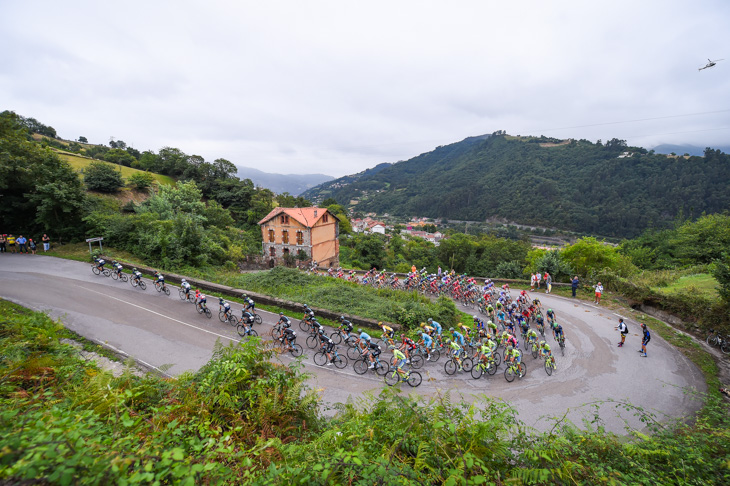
(119, 156)
(722, 275)
(102, 177)
(83, 140)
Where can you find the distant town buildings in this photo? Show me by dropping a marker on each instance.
(370, 225)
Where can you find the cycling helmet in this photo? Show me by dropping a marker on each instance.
(643, 325)
(510, 348)
(489, 322)
(359, 331)
(430, 320)
(542, 343)
(475, 317)
(281, 314)
(550, 310)
(342, 318)
(244, 296)
(134, 269)
(423, 324)
(183, 281)
(321, 330)
(451, 329)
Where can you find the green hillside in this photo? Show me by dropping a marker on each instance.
(573, 185)
(79, 163)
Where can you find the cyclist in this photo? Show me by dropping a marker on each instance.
(427, 343)
(540, 322)
(117, 267)
(466, 331)
(316, 326)
(100, 262)
(200, 299)
(328, 345)
(186, 287)
(509, 340)
(249, 304)
(455, 352)
(427, 329)
(435, 325)
(478, 322)
(513, 356)
(490, 311)
(491, 328)
(136, 274)
(545, 350)
(407, 345)
(531, 337)
(346, 326)
(484, 352)
(308, 314)
(372, 351)
(558, 332)
(284, 323)
(551, 316)
(225, 307)
(247, 319)
(363, 337)
(457, 336)
(290, 337)
(159, 278)
(388, 332)
(399, 360)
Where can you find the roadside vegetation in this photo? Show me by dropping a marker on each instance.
(244, 419)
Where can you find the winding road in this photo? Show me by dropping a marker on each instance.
(167, 334)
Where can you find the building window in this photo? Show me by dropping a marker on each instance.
(271, 236)
(325, 218)
(284, 219)
(300, 237)
(285, 237)
(272, 251)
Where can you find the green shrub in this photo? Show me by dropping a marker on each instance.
(102, 177)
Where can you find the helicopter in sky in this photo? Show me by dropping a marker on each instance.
(710, 63)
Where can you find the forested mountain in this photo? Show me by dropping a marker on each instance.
(604, 189)
(667, 148)
(294, 184)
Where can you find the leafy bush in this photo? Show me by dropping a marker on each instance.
(102, 177)
(141, 180)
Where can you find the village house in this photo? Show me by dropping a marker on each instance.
(314, 231)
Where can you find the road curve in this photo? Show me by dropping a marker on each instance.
(167, 334)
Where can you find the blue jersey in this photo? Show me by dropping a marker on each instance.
(436, 326)
(364, 336)
(426, 339)
(459, 337)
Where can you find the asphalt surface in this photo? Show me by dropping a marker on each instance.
(167, 334)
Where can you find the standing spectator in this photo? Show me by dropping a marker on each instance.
(439, 271)
(413, 269)
(623, 329)
(11, 243)
(532, 282)
(2, 243)
(538, 277)
(599, 291)
(32, 246)
(46, 242)
(574, 284)
(644, 340)
(21, 244)
(548, 283)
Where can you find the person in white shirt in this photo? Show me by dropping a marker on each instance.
(599, 291)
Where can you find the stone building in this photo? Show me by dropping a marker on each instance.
(314, 231)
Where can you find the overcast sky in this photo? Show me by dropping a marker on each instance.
(338, 86)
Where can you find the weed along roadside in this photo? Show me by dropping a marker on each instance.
(258, 297)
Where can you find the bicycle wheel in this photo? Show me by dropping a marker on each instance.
(181, 294)
(382, 367)
(492, 368)
(158, 287)
(312, 342)
(339, 361)
(123, 277)
(534, 351)
(562, 348)
(222, 316)
(241, 330)
(95, 270)
(414, 379)
(509, 374)
(320, 358)
(434, 354)
(296, 350)
(712, 339)
(133, 282)
(476, 372)
(497, 359)
(548, 367)
(257, 319)
(303, 325)
(392, 378)
(417, 361)
(450, 367)
(467, 364)
(725, 347)
(523, 370)
(336, 337)
(142, 285)
(166, 289)
(107, 272)
(353, 353)
(360, 366)
(253, 332)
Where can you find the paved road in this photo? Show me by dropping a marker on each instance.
(167, 334)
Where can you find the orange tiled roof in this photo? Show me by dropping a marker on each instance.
(304, 215)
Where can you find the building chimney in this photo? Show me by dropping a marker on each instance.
(315, 213)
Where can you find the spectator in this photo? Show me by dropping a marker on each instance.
(532, 282)
(574, 284)
(623, 329)
(2, 243)
(548, 283)
(644, 340)
(46, 242)
(11, 243)
(21, 241)
(599, 291)
(32, 246)
(538, 277)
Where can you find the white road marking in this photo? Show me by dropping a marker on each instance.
(163, 315)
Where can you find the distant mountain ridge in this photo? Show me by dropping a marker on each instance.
(606, 189)
(667, 148)
(294, 184)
